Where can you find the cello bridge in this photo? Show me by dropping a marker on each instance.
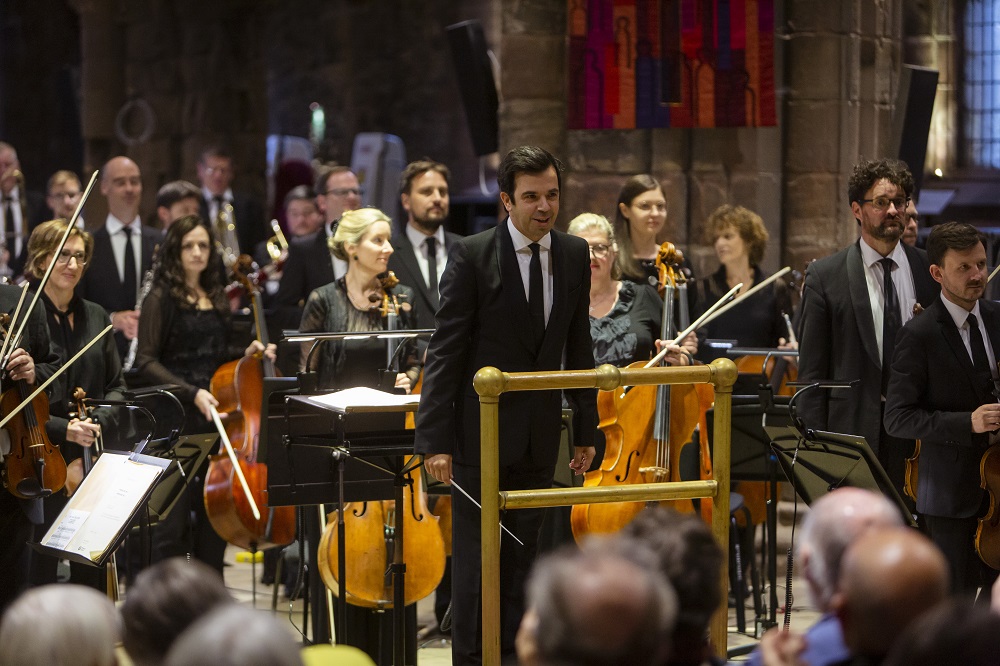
(659, 473)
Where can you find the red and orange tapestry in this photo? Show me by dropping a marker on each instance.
(670, 63)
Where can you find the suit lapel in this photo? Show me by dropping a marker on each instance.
(408, 257)
(559, 291)
(858, 286)
(991, 320)
(954, 341)
(512, 285)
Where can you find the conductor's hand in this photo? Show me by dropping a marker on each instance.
(986, 418)
(21, 366)
(583, 456)
(439, 466)
(204, 401)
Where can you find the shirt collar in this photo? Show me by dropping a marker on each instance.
(114, 225)
(209, 197)
(521, 241)
(958, 313)
(871, 255)
(417, 237)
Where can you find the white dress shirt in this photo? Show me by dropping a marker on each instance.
(523, 252)
(419, 241)
(114, 227)
(961, 317)
(902, 278)
(16, 244)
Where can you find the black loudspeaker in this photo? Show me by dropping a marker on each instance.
(911, 119)
(475, 81)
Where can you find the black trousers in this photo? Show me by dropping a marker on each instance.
(956, 537)
(16, 530)
(515, 559)
(187, 530)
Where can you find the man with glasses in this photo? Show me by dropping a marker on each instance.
(310, 264)
(236, 217)
(853, 304)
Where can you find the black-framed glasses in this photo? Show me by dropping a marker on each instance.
(599, 250)
(882, 203)
(65, 256)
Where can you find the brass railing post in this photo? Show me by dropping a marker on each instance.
(725, 377)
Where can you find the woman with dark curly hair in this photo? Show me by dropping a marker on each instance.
(185, 332)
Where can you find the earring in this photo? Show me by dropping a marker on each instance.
(355, 257)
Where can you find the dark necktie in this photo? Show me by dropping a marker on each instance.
(8, 217)
(536, 294)
(979, 358)
(130, 282)
(891, 319)
(432, 270)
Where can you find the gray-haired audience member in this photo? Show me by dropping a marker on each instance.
(59, 625)
(234, 635)
(596, 607)
(163, 602)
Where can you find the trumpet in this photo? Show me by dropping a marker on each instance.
(277, 245)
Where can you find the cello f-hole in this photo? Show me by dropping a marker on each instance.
(628, 466)
(364, 508)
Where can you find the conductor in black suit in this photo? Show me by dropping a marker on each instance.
(515, 297)
(123, 251)
(236, 217)
(422, 246)
(942, 391)
(853, 304)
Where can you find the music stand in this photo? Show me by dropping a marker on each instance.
(184, 457)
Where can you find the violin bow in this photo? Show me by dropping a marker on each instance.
(17, 312)
(750, 292)
(695, 324)
(993, 274)
(236, 463)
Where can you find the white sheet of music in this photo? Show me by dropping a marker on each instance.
(361, 398)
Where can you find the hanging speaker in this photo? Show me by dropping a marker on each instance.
(911, 119)
(475, 81)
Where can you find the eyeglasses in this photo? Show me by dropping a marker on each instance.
(882, 203)
(599, 250)
(64, 258)
(344, 191)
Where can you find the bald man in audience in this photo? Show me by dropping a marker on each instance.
(888, 578)
(596, 607)
(834, 522)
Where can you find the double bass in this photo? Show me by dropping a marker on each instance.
(238, 386)
(645, 426)
(371, 526)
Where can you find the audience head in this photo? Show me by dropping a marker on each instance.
(121, 184)
(594, 606)
(59, 625)
(43, 243)
(163, 602)
(597, 231)
(301, 213)
(691, 559)
(953, 632)
(337, 191)
(640, 212)
(835, 521)
(8, 164)
(423, 192)
(912, 225)
(888, 578)
(233, 635)
(63, 193)
(530, 180)
(878, 193)
(175, 200)
(215, 170)
(735, 232)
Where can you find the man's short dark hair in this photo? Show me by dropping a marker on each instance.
(215, 150)
(951, 236)
(418, 168)
(526, 159)
(299, 193)
(868, 172)
(324, 175)
(176, 190)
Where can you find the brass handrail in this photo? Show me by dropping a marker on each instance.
(491, 382)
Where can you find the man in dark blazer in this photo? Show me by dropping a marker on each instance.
(843, 322)
(310, 264)
(941, 396)
(424, 196)
(111, 280)
(515, 297)
(243, 224)
(20, 210)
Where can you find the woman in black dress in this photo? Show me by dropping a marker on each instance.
(185, 334)
(72, 322)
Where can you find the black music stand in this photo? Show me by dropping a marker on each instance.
(184, 457)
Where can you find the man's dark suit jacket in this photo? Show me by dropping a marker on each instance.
(251, 228)
(34, 212)
(101, 283)
(307, 267)
(483, 321)
(403, 263)
(837, 341)
(931, 396)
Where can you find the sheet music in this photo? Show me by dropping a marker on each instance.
(361, 398)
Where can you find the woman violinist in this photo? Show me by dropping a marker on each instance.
(72, 323)
(185, 334)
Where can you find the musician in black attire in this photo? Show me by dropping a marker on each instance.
(72, 323)
(185, 332)
(19, 517)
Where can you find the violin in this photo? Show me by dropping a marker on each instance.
(34, 467)
(645, 427)
(370, 527)
(238, 386)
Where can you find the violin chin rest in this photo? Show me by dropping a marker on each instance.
(31, 488)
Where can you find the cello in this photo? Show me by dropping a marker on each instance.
(238, 386)
(371, 526)
(645, 427)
